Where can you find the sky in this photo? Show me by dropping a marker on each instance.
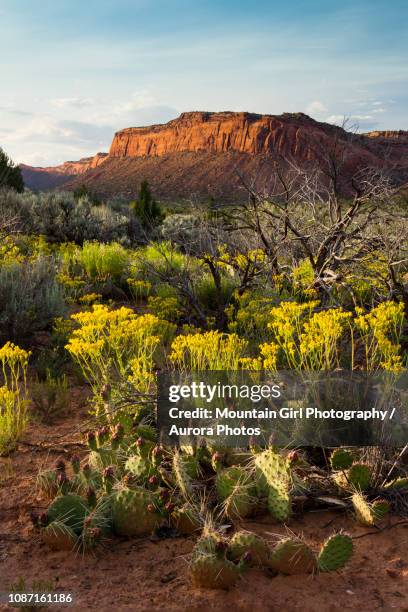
(74, 72)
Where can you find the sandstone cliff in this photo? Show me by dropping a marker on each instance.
(288, 134)
(197, 154)
(55, 176)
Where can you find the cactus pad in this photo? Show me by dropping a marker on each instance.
(185, 519)
(341, 459)
(273, 477)
(397, 483)
(292, 556)
(335, 552)
(185, 469)
(102, 458)
(245, 541)
(380, 507)
(140, 467)
(58, 536)
(132, 512)
(210, 572)
(363, 510)
(70, 509)
(210, 567)
(228, 479)
(358, 477)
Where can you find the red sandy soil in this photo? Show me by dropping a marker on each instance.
(148, 574)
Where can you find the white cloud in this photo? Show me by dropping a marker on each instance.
(72, 102)
(138, 100)
(316, 108)
(351, 122)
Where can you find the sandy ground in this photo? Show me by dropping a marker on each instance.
(148, 574)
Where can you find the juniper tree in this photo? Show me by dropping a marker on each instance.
(145, 208)
(10, 174)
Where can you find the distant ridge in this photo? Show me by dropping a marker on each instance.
(197, 154)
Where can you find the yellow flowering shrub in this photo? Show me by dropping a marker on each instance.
(320, 340)
(90, 298)
(139, 289)
(269, 354)
(210, 350)
(305, 339)
(286, 324)
(380, 331)
(251, 317)
(250, 363)
(14, 363)
(13, 402)
(73, 287)
(302, 278)
(108, 341)
(10, 252)
(165, 308)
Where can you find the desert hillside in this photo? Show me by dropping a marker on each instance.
(198, 155)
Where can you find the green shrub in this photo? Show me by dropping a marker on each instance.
(30, 297)
(49, 396)
(139, 289)
(157, 260)
(60, 217)
(167, 308)
(207, 293)
(145, 208)
(103, 262)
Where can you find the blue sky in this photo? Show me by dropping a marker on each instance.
(73, 72)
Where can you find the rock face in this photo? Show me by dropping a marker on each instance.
(197, 154)
(292, 135)
(214, 133)
(288, 134)
(55, 176)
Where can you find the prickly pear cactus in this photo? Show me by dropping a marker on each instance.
(97, 524)
(398, 483)
(279, 503)
(228, 479)
(70, 509)
(134, 512)
(140, 467)
(341, 459)
(85, 478)
(208, 571)
(245, 541)
(271, 467)
(240, 503)
(335, 552)
(236, 489)
(102, 458)
(366, 513)
(210, 567)
(211, 542)
(357, 478)
(273, 477)
(146, 432)
(381, 508)
(185, 470)
(363, 511)
(47, 483)
(59, 536)
(186, 520)
(291, 556)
